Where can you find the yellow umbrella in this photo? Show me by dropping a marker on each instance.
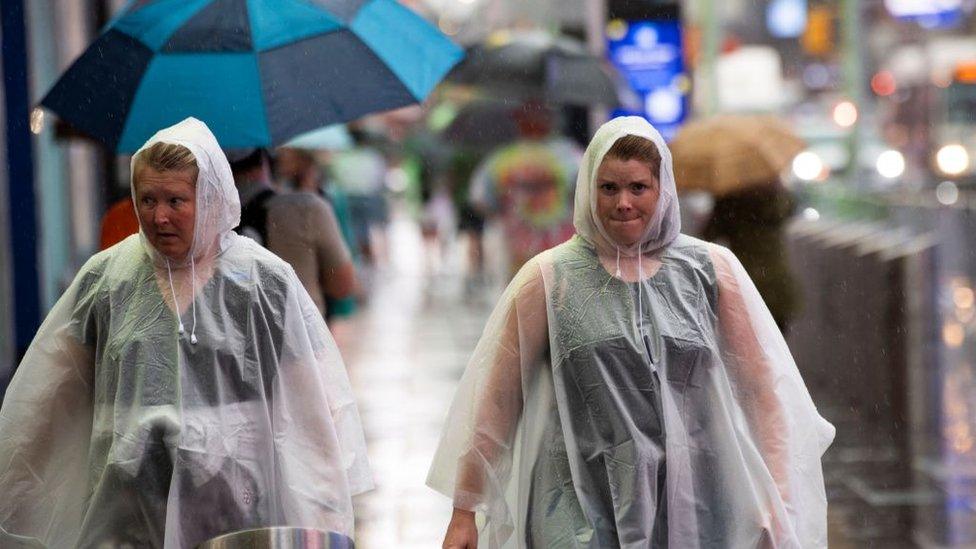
(727, 153)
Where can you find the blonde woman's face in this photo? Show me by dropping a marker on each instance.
(166, 204)
(627, 194)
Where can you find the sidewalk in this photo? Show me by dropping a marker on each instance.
(405, 352)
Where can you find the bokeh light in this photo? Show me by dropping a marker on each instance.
(891, 164)
(808, 166)
(845, 114)
(947, 193)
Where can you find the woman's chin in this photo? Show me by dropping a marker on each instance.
(172, 253)
(625, 241)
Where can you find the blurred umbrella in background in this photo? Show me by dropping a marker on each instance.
(482, 124)
(258, 72)
(534, 65)
(728, 153)
(330, 138)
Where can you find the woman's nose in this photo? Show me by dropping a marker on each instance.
(161, 215)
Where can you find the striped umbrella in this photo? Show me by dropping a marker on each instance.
(258, 72)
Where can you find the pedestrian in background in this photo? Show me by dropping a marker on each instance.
(300, 227)
(751, 221)
(361, 173)
(527, 186)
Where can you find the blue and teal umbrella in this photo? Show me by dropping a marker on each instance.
(258, 72)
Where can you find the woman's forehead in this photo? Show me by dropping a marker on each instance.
(613, 167)
(147, 177)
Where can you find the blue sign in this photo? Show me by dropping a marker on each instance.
(926, 13)
(648, 55)
(786, 18)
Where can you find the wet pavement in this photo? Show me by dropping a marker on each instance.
(405, 351)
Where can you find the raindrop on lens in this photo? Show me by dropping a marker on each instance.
(947, 193)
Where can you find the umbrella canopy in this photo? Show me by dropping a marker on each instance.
(537, 65)
(482, 124)
(727, 153)
(258, 72)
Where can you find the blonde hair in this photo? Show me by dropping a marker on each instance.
(165, 157)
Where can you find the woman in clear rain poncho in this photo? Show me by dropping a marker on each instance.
(631, 389)
(184, 386)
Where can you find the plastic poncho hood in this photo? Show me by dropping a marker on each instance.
(119, 429)
(664, 226)
(218, 206)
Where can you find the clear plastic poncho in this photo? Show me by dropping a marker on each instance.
(658, 406)
(118, 429)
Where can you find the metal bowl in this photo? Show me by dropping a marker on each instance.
(279, 537)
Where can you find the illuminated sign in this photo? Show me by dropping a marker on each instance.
(927, 13)
(648, 55)
(786, 18)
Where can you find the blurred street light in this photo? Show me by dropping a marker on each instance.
(808, 166)
(952, 159)
(845, 114)
(891, 164)
(883, 83)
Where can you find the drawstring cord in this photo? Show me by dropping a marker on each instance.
(193, 302)
(176, 303)
(640, 293)
(618, 261)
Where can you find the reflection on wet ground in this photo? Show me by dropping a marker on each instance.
(405, 351)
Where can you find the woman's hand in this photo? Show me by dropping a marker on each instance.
(462, 533)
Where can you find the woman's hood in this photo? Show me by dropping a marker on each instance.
(666, 223)
(218, 207)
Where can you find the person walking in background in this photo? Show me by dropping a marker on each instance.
(183, 387)
(527, 186)
(751, 221)
(471, 221)
(360, 172)
(298, 227)
(631, 388)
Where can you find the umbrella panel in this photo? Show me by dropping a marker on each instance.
(299, 85)
(231, 103)
(89, 101)
(222, 26)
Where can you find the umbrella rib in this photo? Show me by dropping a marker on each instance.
(257, 68)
